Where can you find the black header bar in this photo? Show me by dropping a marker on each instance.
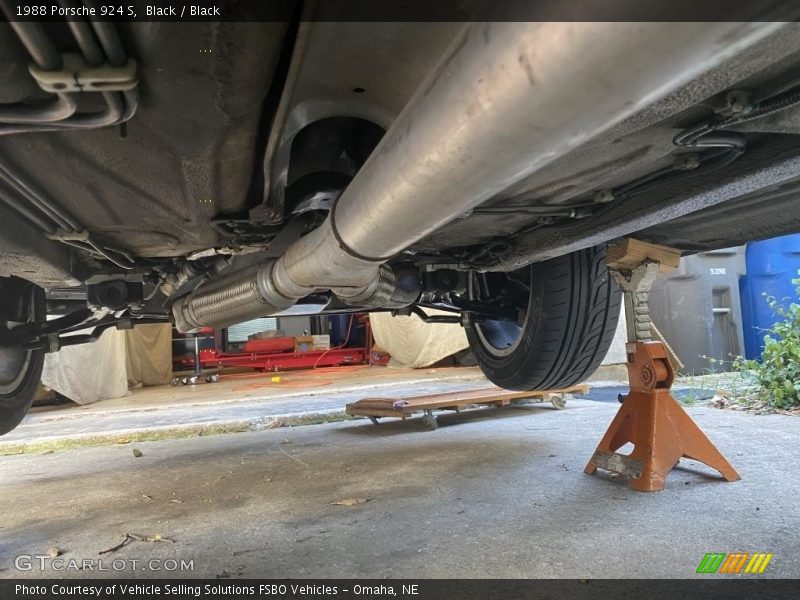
(405, 10)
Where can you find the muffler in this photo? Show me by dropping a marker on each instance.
(505, 100)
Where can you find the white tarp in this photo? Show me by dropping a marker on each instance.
(90, 372)
(413, 343)
(149, 354)
(87, 373)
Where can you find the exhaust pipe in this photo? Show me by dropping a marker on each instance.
(505, 100)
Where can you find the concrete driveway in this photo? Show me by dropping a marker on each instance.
(491, 493)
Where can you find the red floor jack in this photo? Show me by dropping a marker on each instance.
(649, 418)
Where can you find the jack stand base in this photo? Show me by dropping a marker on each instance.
(656, 424)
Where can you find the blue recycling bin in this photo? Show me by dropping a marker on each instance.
(771, 266)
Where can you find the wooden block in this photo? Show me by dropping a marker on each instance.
(630, 253)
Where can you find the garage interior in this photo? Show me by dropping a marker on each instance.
(236, 448)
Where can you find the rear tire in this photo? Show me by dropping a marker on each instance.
(563, 331)
(14, 404)
(20, 370)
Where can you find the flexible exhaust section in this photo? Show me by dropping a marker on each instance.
(237, 297)
(505, 100)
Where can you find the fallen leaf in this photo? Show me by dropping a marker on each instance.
(146, 497)
(137, 453)
(53, 551)
(123, 441)
(176, 500)
(48, 451)
(286, 441)
(351, 501)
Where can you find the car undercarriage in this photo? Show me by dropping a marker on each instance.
(212, 172)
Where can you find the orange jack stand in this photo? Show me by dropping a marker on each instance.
(656, 424)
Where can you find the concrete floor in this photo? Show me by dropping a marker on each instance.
(242, 401)
(492, 493)
(250, 399)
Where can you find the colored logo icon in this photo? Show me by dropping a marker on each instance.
(735, 563)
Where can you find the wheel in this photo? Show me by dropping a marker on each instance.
(558, 401)
(430, 422)
(20, 369)
(175, 381)
(212, 378)
(566, 314)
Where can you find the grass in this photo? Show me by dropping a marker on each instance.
(731, 383)
(733, 391)
(161, 434)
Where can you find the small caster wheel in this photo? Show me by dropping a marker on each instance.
(184, 381)
(175, 381)
(212, 378)
(558, 401)
(374, 420)
(193, 380)
(430, 422)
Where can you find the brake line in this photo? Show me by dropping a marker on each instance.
(59, 115)
(63, 227)
(56, 223)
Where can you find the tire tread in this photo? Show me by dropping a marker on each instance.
(580, 304)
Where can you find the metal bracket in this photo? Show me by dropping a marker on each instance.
(61, 235)
(77, 76)
(52, 343)
(243, 231)
(636, 285)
